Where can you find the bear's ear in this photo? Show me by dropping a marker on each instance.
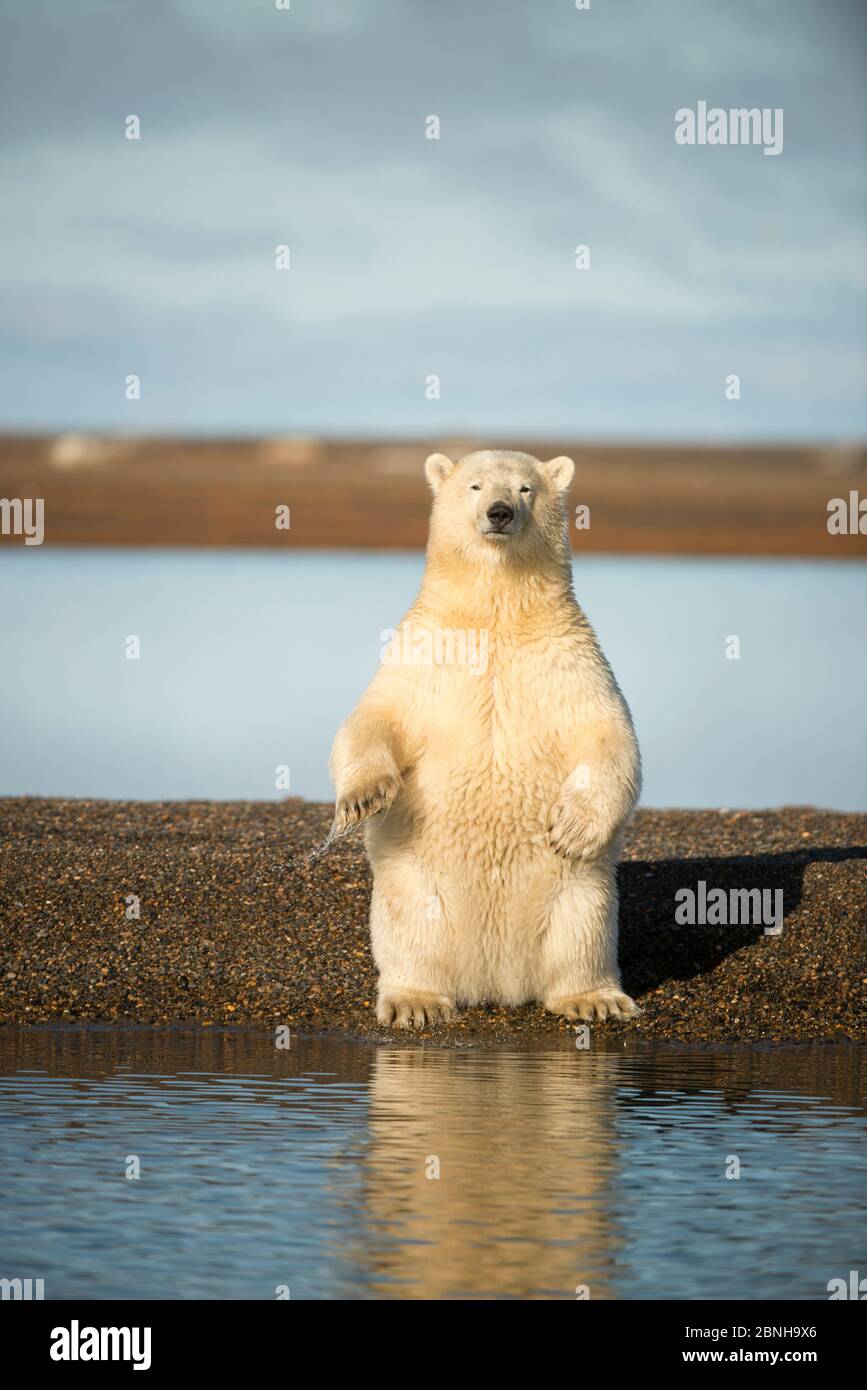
(437, 468)
(560, 472)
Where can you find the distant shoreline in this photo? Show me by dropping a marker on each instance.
(642, 499)
(210, 914)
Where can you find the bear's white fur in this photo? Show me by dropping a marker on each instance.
(494, 763)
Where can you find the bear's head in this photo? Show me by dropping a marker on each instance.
(499, 505)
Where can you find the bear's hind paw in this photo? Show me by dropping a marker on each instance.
(595, 1004)
(413, 1008)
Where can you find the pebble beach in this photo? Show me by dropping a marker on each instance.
(217, 913)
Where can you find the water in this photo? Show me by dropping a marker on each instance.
(249, 661)
(308, 1168)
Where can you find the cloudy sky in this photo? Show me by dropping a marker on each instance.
(411, 257)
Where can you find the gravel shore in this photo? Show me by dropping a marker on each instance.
(237, 925)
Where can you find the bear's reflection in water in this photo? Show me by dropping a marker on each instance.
(525, 1153)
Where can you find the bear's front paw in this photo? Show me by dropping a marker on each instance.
(573, 833)
(595, 1004)
(359, 803)
(413, 1008)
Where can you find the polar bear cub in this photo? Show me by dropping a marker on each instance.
(494, 764)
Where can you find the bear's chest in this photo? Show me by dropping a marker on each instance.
(505, 721)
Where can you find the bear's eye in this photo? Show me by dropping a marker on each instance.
(524, 487)
(475, 487)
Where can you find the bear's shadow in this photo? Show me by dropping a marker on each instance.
(654, 948)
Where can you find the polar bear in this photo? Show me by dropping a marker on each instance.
(494, 764)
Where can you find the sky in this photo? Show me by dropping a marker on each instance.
(412, 258)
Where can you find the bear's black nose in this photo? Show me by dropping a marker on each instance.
(500, 514)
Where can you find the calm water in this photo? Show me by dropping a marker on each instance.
(308, 1168)
(250, 660)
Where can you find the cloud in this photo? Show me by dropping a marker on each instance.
(306, 127)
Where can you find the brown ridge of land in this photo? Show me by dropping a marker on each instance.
(237, 924)
(678, 499)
